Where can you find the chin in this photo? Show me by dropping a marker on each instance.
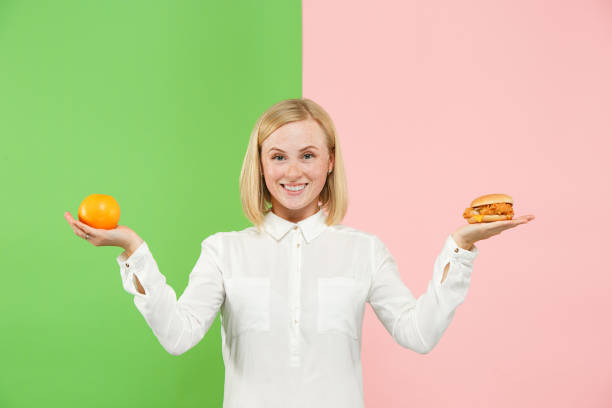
(297, 204)
(294, 206)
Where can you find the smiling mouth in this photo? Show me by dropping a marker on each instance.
(302, 187)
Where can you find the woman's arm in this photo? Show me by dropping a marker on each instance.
(178, 324)
(418, 324)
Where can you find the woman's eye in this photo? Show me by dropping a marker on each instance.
(305, 154)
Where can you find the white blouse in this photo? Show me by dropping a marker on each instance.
(292, 301)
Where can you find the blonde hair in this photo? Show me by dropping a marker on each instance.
(254, 193)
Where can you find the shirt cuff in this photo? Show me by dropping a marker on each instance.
(458, 277)
(134, 264)
(450, 246)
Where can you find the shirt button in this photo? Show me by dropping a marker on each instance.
(298, 245)
(456, 249)
(127, 265)
(295, 321)
(296, 227)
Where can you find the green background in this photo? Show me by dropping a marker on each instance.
(152, 103)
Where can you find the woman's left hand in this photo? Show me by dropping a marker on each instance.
(468, 234)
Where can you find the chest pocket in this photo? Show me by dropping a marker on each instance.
(248, 299)
(341, 302)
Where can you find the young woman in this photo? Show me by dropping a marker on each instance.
(292, 288)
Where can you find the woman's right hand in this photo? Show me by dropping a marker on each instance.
(120, 236)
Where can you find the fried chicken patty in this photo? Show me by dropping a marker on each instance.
(489, 209)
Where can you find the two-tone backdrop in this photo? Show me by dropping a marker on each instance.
(435, 103)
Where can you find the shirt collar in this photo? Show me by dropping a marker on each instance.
(311, 227)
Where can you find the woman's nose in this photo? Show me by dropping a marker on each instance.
(293, 170)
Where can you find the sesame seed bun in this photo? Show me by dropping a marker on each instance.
(492, 199)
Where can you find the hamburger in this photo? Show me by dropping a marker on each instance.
(489, 208)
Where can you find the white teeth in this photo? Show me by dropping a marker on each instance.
(296, 188)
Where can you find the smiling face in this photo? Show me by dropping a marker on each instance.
(296, 154)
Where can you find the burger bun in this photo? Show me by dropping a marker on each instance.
(475, 219)
(492, 199)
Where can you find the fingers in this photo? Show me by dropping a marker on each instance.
(79, 228)
(68, 217)
(507, 224)
(91, 231)
(524, 219)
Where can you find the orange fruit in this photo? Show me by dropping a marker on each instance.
(99, 211)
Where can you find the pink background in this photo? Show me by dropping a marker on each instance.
(438, 102)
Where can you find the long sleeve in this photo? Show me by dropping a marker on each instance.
(419, 324)
(178, 325)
